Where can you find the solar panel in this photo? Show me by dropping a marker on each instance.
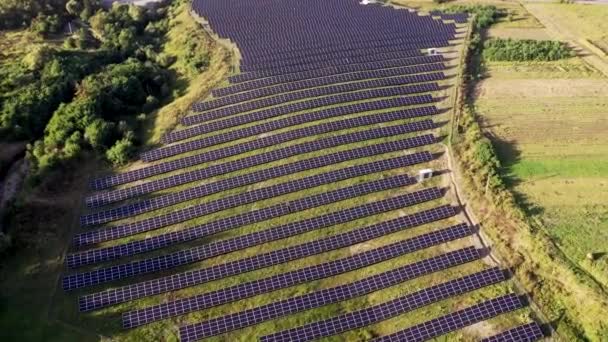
(324, 72)
(361, 287)
(181, 163)
(163, 240)
(112, 233)
(132, 209)
(294, 108)
(178, 307)
(456, 320)
(524, 333)
(99, 276)
(318, 97)
(284, 208)
(188, 146)
(316, 82)
(187, 279)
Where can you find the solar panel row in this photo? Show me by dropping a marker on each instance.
(304, 118)
(163, 240)
(215, 126)
(318, 97)
(78, 280)
(281, 209)
(258, 159)
(356, 55)
(201, 191)
(326, 50)
(325, 72)
(302, 165)
(456, 320)
(173, 165)
(523, 333)
(316, 82)
(200, 276)
(178, 307)
(360, 318)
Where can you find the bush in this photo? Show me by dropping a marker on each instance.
(486, 15)
(525, 50)
(121, 152)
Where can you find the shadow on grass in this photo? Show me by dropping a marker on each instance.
(510, 155)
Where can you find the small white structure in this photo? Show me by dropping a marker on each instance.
(433, 52)
(367, 2)
(424, 174)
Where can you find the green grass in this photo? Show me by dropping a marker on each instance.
(107, 322)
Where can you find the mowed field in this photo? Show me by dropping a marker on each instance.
(549, 121)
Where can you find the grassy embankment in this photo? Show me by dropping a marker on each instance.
(549, 139)
(29, 277)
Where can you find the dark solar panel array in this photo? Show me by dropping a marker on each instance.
(324, 96)
(268, 113)
(193, 211)
(281, 209)
(361, 287)
(359, 47)
(191, 278)
(163, 240)
(200, 191)
(460, 18)
(316, 82)
(355, 55)
(178, 307)
(295, 120)
(455, 320)
(221, 169)
(258, 159)
(332, 93)
(524, 333)
(384, 311)
(112, 233)
(79, 280)
(325, 72)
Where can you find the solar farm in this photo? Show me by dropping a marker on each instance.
(287, 206)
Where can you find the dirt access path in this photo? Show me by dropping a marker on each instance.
(561, 32)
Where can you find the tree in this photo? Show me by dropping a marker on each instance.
(98, 133)
(39, 56)
(120, 153)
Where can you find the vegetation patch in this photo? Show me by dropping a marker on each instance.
(497, 49)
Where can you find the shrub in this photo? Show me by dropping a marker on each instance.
(525, 50)
(121, 152)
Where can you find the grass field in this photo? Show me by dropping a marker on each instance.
(551, 136)
(38, 274)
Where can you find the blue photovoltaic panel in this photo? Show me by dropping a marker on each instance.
(99, 276)
(326, 72)
(321, 128)
(161, 168)
(455, 320)
(192, 193)
(307, 164)
(384, 311)
(524, 333)
(316, 82)
(333, 94)
(281, 209)
(187, 279)
(268, 113)
(163, 240)
(361, 287)
(136, 318)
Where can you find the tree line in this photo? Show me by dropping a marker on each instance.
(498, 49)
(94, 91)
